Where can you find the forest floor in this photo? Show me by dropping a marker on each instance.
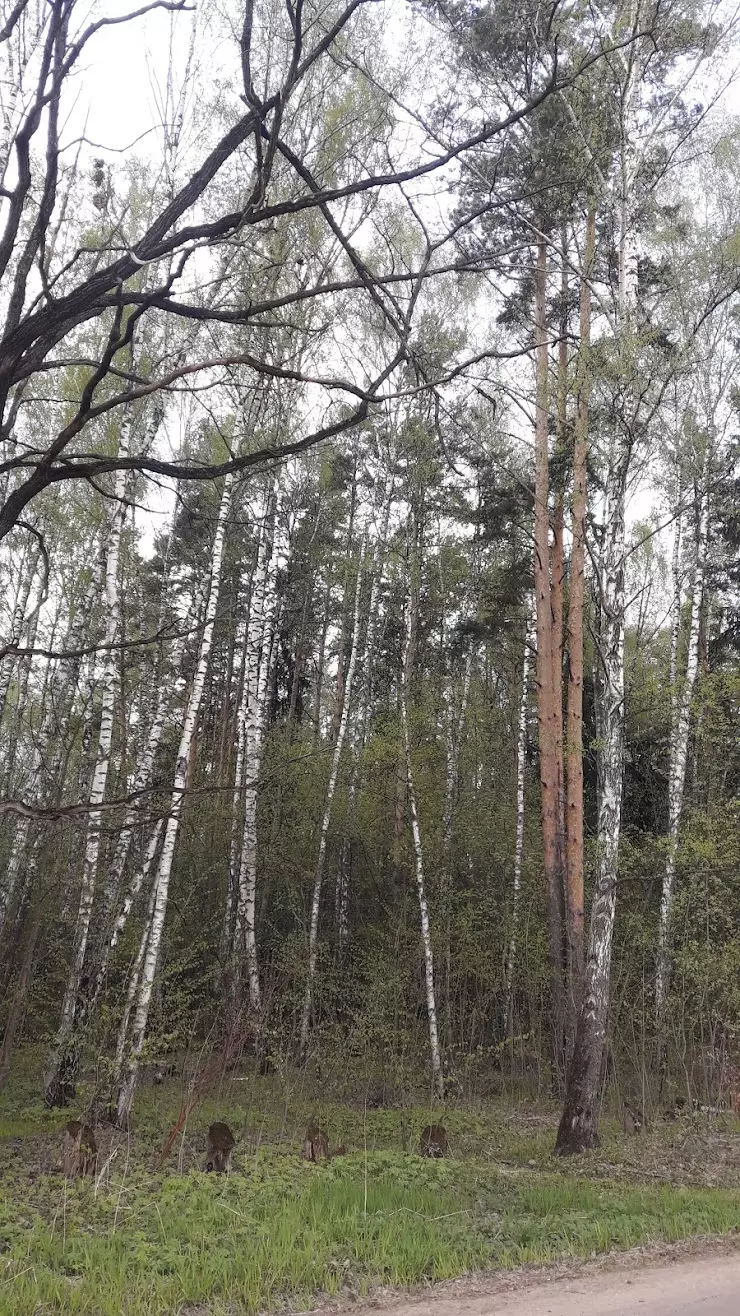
(144, 1238)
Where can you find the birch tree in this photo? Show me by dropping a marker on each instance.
(521, 752)
(134, 975)
(578, 1125)
(454, 728)
(59, 1078)
(637, 136)
(252, 728)
(47, 757)
(359, 722)
(681, 720)
(164, 868)
(19, 619)
(313, 927)
(426, 934)
(701, 418)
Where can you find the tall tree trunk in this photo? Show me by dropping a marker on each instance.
(132, 986)
(574, 714)
(578, 1128)
(25, 664)
(521, 755)
(117, 902)
(118, 905)
(426, 935)
(228, 925)
(29, 567)
(359, 724)
(320, 660)
(313, 933)
(49, 754)
(549, 714)
(164, 869)
(339, 697)
(60, 1076)
(453, 739)
(12, 872)
(676, 602)
(678, 756)
(253, 714)
(557, 588)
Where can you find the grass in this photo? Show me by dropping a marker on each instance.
(278, 1231)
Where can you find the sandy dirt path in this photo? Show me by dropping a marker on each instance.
(694, 1277)
(706, 1286)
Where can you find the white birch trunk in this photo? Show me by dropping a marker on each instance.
(17, 852)
(25, 666)
(455, 728)
(676, 617)
(679, 751)
(141, 780)
(123, 846)
(59, 1077)
(7, 664)
(426, 936)
(137, 883)
(135, 971)
(48, 757)
(164, 869)
(226, 942)
(64, 685)
(313, 932)
(521, 756)
(579, 1122)
(320, 660)
(359, 725)
(253, 718)
(115, 920)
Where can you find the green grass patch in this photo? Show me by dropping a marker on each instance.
(278, 1230)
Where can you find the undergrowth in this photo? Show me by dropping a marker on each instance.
(276, 1232)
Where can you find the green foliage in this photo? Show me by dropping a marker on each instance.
(278, 1229)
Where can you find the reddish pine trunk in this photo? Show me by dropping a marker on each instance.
(574, 714)
(549, 712)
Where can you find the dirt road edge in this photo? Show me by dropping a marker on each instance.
(493, 1283)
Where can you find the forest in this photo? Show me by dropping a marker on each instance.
(369, 633)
